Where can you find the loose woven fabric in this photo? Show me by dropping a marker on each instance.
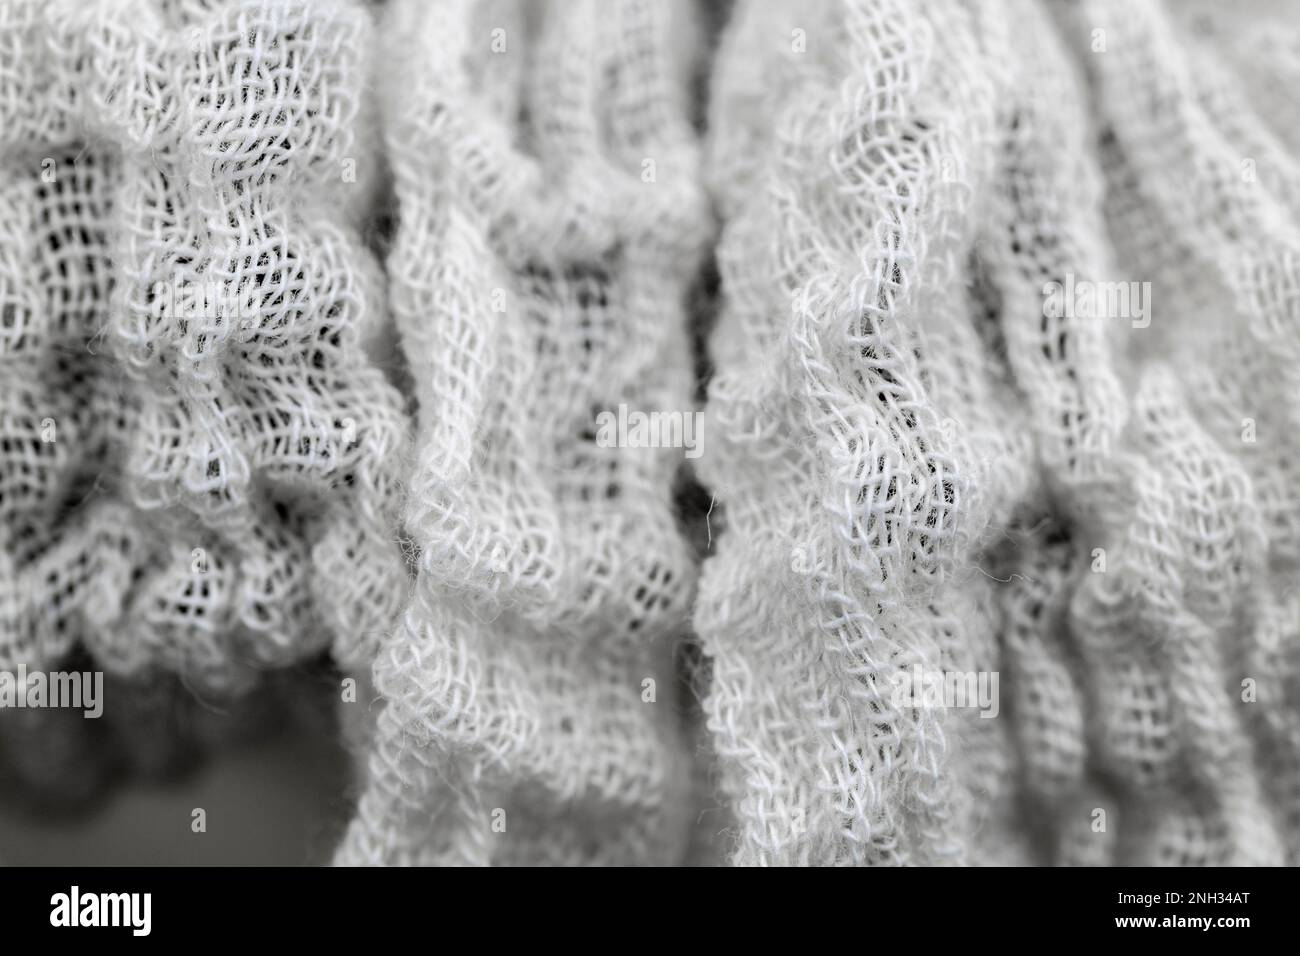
(921, 465)
(199, 461)
(310, 313)
(551, 217)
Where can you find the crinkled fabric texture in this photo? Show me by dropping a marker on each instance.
(199, 461)
(923, 465)
(551, 218)
(309, 312)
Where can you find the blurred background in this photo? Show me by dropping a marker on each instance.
(269, 771)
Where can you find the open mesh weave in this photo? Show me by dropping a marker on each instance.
(1203, 537)
(895, 408)
(911, 464)
(198, 460)
(551, 218)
